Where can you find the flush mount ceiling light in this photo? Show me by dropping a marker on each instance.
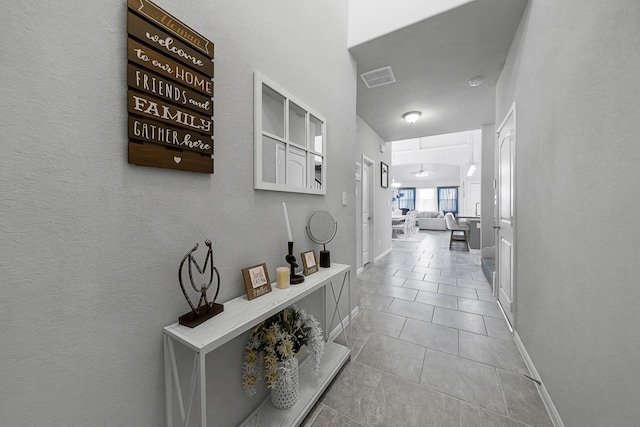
(412, 116)
(476, 81)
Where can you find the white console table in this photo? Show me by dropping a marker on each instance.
(239, 316)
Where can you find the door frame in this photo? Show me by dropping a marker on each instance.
(511, 321)
(368, 162)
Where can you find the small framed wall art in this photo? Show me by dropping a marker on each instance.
(256, 280)
(309, 262)
(384, 175)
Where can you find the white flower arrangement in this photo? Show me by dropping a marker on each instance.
(278, 339)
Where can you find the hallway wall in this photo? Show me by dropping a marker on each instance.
(91, 245)
(572, 72)
(369, 144)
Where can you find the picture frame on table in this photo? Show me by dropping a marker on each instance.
(309, 262)
(384, 175)
(256, 280)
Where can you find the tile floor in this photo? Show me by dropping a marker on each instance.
(430, 347)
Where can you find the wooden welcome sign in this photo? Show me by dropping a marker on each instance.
(169, 100)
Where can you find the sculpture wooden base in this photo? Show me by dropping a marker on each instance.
(192, 319)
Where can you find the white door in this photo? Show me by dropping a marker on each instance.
(367, 173)
(505, 242)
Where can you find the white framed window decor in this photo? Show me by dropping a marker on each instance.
(289, 141)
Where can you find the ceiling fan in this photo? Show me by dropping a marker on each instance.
(421, 173)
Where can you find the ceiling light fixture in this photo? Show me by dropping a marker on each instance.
(476, 81)
(412, 116)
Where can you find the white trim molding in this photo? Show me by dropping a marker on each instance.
(379, 257)
(544, 395)
(338, 329)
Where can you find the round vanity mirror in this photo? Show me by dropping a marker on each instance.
(322, 228)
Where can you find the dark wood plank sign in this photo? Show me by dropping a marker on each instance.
(170, 80)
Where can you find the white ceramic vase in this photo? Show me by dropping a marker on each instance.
(285, 393)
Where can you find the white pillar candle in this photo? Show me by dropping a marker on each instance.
(282, 274)
(286, 217)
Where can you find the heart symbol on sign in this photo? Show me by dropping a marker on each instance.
(177, 159)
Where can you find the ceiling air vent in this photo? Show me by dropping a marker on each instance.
(381, 76)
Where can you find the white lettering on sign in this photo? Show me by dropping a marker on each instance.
(149, 107)
(152, 132)
(193, 79)
(143, 56)
(161, 87)
(167, 44)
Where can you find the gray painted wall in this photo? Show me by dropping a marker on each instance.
(487, 205)
(91, 245)
(369, 144)
(573, 74)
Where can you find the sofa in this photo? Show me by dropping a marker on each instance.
(431, 221)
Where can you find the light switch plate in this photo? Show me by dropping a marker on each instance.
(344, 198)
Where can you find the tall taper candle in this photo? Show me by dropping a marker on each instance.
(286, 217)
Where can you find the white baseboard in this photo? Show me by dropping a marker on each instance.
(360, 270)
(336, 331)
(546, 399)
(382, 254)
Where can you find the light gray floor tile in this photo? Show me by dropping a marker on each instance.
(420, 285)
(485, 295)
(390, 280)
(357, 340)
(474, 416)
(498, 328)
(368, 287)
(401, 266)
(479, 307)
(313, 414)
(479, 276)
(432, 336)
(398, 292)
(453, 272)
(394, 356)
(377, 321)
(474, 284)
(352, 391)
(331, 418)
(409, 274)
(464, 302)
(456, 291)
(440, 300)
(440, 279)
(491, 351)
(460, 320)
(463, 378)
(397, 402)
(523, 400)
(413, 310)
(375, 302)
(427, 270)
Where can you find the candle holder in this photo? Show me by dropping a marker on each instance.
(294, 278)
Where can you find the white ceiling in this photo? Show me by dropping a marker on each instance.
(432, 61)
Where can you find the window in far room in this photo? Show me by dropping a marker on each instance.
(426, 200)
(406, 199)
(448, 199)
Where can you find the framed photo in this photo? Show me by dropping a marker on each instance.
(309, 262)
(384, 175)
(256, 280)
